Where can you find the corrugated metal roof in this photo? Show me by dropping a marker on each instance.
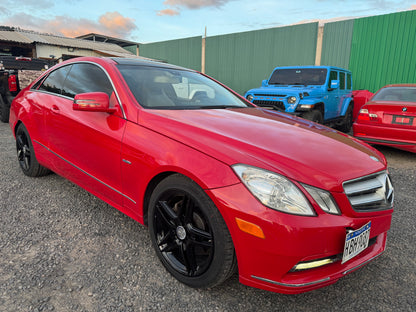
(28, 37)
(14, 37)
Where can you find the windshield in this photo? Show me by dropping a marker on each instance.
(397, 94)
(298, 76)
(166, 88)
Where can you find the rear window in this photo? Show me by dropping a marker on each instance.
(398, 94)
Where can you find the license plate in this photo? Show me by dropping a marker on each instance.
(401, 120)
(356, 242)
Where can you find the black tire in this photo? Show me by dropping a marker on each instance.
(189, 234)
(26, 154)
(4, 110)
(314, 115)
(347, 122)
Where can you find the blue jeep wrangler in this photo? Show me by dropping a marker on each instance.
(319, 93)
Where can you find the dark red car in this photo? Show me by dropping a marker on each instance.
(389, 118)
(217, 180)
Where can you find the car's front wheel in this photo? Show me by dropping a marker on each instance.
(314, 115)
(189, 234)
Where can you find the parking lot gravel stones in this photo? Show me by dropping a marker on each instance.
(62, 249)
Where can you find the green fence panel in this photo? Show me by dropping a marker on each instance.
(243, 60)
(383, 50)
(182, 52)
(336, 43)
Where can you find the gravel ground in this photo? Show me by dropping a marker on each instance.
(62, 249)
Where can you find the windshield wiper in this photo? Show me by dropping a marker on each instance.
(219, 106)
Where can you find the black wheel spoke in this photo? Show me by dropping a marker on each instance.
(188, 254)
(199, 233)
(20, 142)
(166, 214)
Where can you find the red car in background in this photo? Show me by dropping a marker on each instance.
(389, 118)
(221, 184)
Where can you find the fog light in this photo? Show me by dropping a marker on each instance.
(313, 264)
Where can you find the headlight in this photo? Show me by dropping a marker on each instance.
(323, 199)
(274, 190)
(291, 99)
(250, 97)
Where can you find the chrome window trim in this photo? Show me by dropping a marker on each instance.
(67, 97)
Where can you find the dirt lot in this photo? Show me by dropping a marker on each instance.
(62, 249)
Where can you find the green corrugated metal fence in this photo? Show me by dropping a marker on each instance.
(378, 50)
(336, 45)
(383, 50)
(243, 60)
(182, 52)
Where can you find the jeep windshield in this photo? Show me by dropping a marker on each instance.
(171, 88)
(298, 76)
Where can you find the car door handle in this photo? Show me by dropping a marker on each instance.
(55, 109)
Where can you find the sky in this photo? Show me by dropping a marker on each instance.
(146, 21)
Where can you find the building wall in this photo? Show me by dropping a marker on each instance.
(45, 51)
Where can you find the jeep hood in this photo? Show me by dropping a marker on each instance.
(301, 150)
(284, 89)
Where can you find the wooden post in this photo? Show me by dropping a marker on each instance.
(203, 51)
(319, 40)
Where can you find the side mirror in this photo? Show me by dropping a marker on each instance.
(334, 84)
(264, 83)
(93, 102)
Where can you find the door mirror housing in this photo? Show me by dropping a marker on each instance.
(93, 102)
(334, 85)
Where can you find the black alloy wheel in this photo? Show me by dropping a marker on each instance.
(26, 154)
(189, 235)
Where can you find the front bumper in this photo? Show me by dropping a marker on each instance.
(290, 239)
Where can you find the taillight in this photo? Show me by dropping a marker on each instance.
(12, 83)
(364, 115)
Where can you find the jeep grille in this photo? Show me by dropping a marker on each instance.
(263, 103)
(369, 193)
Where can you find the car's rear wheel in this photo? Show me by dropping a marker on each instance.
(26, 154)
(189, 234)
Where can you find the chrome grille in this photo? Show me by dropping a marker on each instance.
(369, 193)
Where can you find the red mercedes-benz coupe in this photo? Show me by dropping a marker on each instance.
(222, 185)
(389, 118)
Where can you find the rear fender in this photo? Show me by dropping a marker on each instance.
(345, 104)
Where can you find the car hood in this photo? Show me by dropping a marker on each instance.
(301, 150)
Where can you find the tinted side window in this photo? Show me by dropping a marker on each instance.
(54, 82)
(349, 82)
(85, 78)
(342, 81)
(333, 75)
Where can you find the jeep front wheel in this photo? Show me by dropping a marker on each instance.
(314, 115)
